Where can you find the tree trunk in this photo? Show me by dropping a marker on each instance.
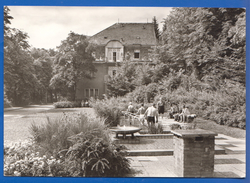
(14, 96)
(51, 96)
(55, 96)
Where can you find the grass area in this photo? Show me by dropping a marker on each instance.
(17, 123)
(222, 129)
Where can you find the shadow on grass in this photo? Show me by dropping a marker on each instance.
(60, 110)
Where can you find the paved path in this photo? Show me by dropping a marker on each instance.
(229, 165)
(19, 112)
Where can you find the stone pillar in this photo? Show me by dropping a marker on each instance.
(194, 153)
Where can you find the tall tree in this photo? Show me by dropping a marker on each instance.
(7, 19)
(156, 28)
(43, 69)
(72, 63)
(19, 77)
(199, 41)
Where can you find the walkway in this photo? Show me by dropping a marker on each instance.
(232, 164)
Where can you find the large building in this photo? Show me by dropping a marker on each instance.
(119, 42)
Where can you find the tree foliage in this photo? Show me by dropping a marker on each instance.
(7, 19)
(205, 42)
(19, 77)
(27, 71)
(156, 28)
(72, 63)
(43, 69)
(122, 82)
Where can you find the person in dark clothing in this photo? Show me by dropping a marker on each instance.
(160, 106)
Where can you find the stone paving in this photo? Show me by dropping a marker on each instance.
(232, 164)
(147, 144)
(229, 165)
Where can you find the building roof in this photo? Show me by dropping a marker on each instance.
(127, 34)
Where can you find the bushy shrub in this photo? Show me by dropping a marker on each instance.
(155, 129)
(53, 135)
(93, 157)
(73, 145)
(7, 103)
(109, 109)
(67, 104)
(225, 106)
(144, 93)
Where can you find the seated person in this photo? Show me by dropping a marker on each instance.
(184, 113)
(191, 117)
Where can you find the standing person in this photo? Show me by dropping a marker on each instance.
(151, 115)
(141, 112)
(131, 110)
(160, 106)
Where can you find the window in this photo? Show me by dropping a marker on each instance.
(92, 92)
(92, 74)
(114, 56)
(96, 93)
(137, 54)
(112, 71)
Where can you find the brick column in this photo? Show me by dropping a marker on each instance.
(194, 153)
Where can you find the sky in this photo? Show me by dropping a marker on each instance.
(48, 26)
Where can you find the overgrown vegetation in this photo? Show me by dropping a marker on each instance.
(67, 104)
(73, 145)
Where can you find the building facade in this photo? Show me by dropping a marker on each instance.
(113, 45)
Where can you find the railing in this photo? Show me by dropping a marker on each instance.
(132, 118)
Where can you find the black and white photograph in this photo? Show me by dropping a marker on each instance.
(105, 91)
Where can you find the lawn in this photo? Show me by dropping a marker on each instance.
(16, 129)
(222, 129)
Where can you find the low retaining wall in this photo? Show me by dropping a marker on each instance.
(155, 136)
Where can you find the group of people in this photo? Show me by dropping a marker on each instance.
(183, 115)
(152, 113)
